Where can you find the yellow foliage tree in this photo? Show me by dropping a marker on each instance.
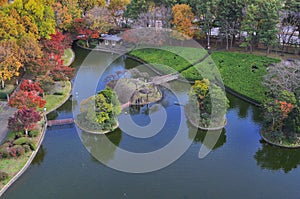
(182, 20)
(9, 61)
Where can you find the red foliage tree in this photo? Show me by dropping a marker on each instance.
(29, 85)
(62, 73)
(24, 119)
(41, 65)
(57, 44)
(25, 99)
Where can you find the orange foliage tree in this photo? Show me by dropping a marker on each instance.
(182, 20)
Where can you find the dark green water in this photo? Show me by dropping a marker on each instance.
(240, 165)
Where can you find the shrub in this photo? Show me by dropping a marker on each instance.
(33, 133)
(58, 93)
(13, 152)
(32, 145)
(20, 150)
(3, 152)
(26, 148)
(13, 135)
(3, 176)
(21, 141)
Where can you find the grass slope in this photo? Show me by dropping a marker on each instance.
(241, 72)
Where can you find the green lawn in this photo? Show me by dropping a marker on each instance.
(12, 166)
(68, 57)
(169, 59)
(60, 95)
(243, 72)
(239, 71)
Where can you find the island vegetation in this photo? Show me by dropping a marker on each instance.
(98, 114)
(207, 105)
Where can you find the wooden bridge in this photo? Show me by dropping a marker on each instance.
(165, 78)
(60, 122)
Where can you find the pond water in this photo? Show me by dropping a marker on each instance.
(240, 165)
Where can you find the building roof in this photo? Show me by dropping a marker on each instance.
(111, 38)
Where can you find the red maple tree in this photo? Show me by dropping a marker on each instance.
(29, 85)
(24, 99)
(24, 119)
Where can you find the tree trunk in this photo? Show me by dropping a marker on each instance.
(208, 39)
(26, 132)
(268, 50)
(227, 41)
(2, 83)
(232, 40)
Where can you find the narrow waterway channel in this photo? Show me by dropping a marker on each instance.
(240, 165)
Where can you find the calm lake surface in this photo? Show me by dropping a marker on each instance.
(240, 165)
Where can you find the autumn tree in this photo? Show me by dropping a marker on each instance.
(10, 28)
(57, 44)
(182, 19)
(31, 49)
(39, 11)
(117, 8)
(24, 120)
(10, 62)
(73, 8)
(62, 16)
(87, 5)
(29, 85)
(24, 99)
(282, 106)
(99, 20)
(62, 73)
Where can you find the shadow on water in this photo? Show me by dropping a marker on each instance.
(100, 147)
(201, 134)
(244, 108)
(275, 158)
(39, 158)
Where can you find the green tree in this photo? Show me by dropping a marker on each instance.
(260, 20)
(135, 8)
(206, 11)
(230, 13)
(100, 111)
